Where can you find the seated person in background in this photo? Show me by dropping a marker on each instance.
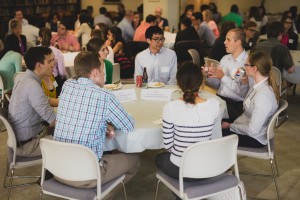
(16, 41)
(280, 54)
(231, 88)
(160, 62)
(29, 105)
(187, 120)
(32, 34)
(84, 30)
(59, 70)
(101, 34)
(126, 27)
(18, 15)
(139, 34)
(65, 40)
(234, 16)
(260, 104)
(52, 22)
(208, 18)
(102, 18)
(187, 32)
(10, 63)
(218, 49)
(250, 30)
(289, 38)
(206, 35)
(160, 21)
(98, 46)
(121, 54)
(95, 120)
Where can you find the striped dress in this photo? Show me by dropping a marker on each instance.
(185, 124)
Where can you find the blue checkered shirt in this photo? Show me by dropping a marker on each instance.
(83, 113)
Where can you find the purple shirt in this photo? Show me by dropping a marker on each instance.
(59, 68)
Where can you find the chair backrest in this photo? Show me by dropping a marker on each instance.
(116, 73)
(181, 48)
(134, 47)
(195, 56)
(70, 71)
(11, 139)
(208, 61)
(283, 104)
(278, 79)
(209, 158)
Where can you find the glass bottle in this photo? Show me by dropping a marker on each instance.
(145, 78)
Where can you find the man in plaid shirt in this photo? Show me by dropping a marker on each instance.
(87, 114)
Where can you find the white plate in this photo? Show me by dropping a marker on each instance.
(113, 86)
(155, 84)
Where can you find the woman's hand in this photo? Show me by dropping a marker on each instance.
(225, 125)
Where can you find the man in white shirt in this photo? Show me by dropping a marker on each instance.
(160, 62)
(19, 17)
(102, 18)
(31, 33)
(126, 27)
(232, 86)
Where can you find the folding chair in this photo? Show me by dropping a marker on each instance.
(268, 152)
(76, 163)
(116, 73)
(207, 161)
(14, 161)
(195, 56)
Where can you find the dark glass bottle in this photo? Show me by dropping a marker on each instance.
(145, 78)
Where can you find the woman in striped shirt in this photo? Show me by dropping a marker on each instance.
(187, 120)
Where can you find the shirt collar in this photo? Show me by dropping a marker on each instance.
(33, 75)
(152, 54)
(84, 81)
(240, 57)
(256, 86)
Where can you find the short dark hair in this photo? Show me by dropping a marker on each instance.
(234, 8)
(153, 30)
(83, 18)
(102, 10)
(85, 62)
(94, 45)
(35, 55)
(150, 18)
(198, 15)
(186, 22)
(227, 26)
(16, 10)
(274, 29)
(189, 79)
(250, 24)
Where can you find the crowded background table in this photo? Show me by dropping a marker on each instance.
(148, 135)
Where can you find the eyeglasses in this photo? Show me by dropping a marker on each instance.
(252, 30)
(246, 64)
(157, 40)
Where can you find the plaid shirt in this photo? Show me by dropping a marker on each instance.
(83, 113)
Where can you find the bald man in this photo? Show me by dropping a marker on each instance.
(160, 21)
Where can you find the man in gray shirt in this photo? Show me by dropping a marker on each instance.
(102, 18)
(29, 105)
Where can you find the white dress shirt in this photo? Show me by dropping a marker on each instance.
(259, 106)
(161, 67)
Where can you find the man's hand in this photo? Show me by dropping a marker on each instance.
(110, 132)
(225, 125)
(216, 72)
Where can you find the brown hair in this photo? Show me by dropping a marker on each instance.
(239, 35)
(14, 24)
(46, 35)
(263, 62)
(189, 79)
(250, 24)
(85, 62)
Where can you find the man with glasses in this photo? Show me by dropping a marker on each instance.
(160, 62)
(280, 54)
(251, 34)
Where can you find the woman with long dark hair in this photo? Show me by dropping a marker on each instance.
(289, 38)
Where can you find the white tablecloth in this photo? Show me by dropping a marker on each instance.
(146, 134)
(170, 39)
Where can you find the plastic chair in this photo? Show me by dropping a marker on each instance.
(4, 93)
(73, 162)
(282, 90)
(208, 161)
(195, 56)
(116, 73)
(208, 61)
(267, 153)
(14, 161)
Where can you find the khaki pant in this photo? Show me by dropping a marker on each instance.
(32, 148)
(114, 165)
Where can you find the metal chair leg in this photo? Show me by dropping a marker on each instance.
(276, 167)
(124, 189)
(275, 178)
(156, 193)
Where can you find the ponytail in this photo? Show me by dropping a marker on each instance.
(272, 83)
(189, 97)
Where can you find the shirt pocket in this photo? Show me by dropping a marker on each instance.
(164, 69)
